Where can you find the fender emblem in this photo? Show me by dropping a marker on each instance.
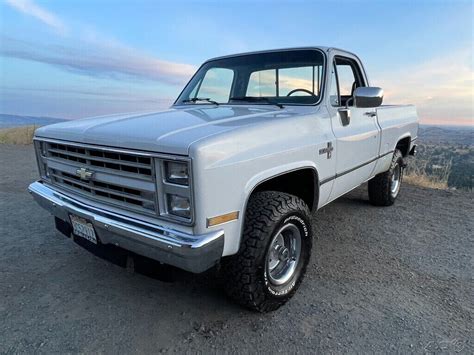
(84, 174)
(328, 150)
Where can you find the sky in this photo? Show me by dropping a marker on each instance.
(80, 58)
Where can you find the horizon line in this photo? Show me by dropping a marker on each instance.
(421, 123)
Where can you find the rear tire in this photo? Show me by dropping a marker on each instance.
(274, 253)
(384, 188)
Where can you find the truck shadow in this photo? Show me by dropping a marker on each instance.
(358, 196)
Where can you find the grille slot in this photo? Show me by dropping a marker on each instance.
(128, 163)
(112, 171)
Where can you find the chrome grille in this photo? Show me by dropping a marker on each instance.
(120, 178)
(128, 163)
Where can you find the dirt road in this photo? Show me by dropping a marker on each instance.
(395, 279)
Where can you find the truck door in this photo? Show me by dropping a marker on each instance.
(355, 129)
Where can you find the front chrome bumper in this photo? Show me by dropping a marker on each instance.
(195, 253)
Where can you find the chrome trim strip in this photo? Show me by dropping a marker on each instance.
(345, 172)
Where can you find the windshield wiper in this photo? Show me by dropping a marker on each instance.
(195, 99)
(256, 99)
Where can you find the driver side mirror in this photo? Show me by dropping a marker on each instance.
(366, 97)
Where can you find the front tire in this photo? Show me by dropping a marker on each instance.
(384, 188)
(274, 253)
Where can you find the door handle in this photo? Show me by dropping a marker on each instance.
(370, 113)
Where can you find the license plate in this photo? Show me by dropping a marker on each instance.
(83, 229)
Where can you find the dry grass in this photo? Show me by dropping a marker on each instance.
(17, 135)
(425, 181)
(417, 174)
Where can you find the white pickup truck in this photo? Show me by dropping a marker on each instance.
(230, 173)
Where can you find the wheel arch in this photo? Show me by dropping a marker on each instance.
(403, 144)
(307, 188)
(272, 179)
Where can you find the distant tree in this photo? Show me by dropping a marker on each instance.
(462, 175)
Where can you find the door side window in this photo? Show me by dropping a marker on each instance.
(348, 77)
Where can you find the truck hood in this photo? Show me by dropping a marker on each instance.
(171, 131)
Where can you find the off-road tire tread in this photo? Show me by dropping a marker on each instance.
(379, 186)
(264, 212)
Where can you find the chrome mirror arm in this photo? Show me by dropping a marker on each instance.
(350, 99)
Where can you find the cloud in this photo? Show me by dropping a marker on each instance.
(104, 59)
(90, 53)
(442, 88)
(30, 8)
(82, 50)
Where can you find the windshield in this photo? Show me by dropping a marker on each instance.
(272, 78)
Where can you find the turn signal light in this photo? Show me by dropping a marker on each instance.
(213, 221)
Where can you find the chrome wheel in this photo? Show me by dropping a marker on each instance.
(396, 180)
(283, 254)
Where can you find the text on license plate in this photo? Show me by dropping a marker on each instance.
(83, 229)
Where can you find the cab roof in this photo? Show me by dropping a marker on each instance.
(322, 48)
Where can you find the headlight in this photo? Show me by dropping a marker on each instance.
(174, 182)
(179, 206)
(177, 173)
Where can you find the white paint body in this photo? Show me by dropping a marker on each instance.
(234, 148)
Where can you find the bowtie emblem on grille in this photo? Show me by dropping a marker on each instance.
(84, 174)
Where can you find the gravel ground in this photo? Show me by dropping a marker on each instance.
(393, 280)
